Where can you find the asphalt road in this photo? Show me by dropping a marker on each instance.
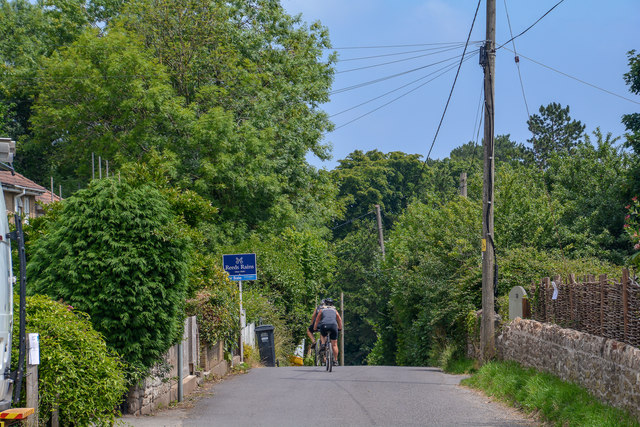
(348, 396)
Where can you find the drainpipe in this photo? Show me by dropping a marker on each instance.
(19, 196)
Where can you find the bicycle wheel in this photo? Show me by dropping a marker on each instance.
(329, 352)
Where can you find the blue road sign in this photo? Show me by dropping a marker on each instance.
(240, 266)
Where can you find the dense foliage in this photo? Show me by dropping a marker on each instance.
(561, 214)
(78, 375)
(114, 253)
(207, 112)
(632, 227)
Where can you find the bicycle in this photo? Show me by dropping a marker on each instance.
(328, 352)
(318, 354)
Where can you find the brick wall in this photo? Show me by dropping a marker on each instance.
(609, 369)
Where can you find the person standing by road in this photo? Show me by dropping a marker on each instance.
(329, 322)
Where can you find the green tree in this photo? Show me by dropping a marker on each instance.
(105, 95)
(632, 120)
(116, 253)
(30, 32)
(505, 149)
(254, 77)
(590, 189)
(294, 270)
(427, 249)
(553, 131)
(366, 179)
(78, 375)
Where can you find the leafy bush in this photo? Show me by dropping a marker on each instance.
(261, 310)
(294, 268)
(115, 252)
(216, 302)
(426, 251)
(77, 373)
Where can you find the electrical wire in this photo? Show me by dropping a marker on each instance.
(396, 61)
(351, 220)
(424, 164)
(448, 67)
(381, 79)
(390, 54)
(530, 26)
(393, 46)
(401, 96)
(477, 123)
(517, 60)
(577, 79)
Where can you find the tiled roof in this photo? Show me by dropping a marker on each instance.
(17, 180)
(46, 197)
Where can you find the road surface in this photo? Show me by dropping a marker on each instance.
(348, 396)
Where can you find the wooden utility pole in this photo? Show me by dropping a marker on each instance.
(488, 57)
(380, 236)
(463, 184)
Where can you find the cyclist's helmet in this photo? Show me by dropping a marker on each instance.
(328, 301)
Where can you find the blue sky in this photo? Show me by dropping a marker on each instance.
(586, 39)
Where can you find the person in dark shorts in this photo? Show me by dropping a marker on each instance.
(329, 322)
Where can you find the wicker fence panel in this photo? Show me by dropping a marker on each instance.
(602, 307)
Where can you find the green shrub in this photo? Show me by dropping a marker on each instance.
(115, 252)
(261, 310)
(216, 303)
(77, 373)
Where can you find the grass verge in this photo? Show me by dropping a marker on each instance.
(460, 366)
(553, 400)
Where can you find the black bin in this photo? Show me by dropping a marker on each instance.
(267, 346)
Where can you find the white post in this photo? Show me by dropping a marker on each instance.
(33, 360)
(241, 326)
(180, 362)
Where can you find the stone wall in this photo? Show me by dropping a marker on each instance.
(161, 387)
(609, 369)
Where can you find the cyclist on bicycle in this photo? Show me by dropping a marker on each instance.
(329, 322)
(311, 328)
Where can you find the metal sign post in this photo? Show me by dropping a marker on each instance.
(240, 267)
(241, 325)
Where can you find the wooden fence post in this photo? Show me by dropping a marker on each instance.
(625, 303)
(572, 284)
(603, 280)
(546, 284)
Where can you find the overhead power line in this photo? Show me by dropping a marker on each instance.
(517, 60)
(446, 67)
(391, 54)
(351, 220)
(453, 85)
(577, 79)
(397, 60)
(392, 46)
(424, 164)
(530, 26)
(401, 96)
(381, 79)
